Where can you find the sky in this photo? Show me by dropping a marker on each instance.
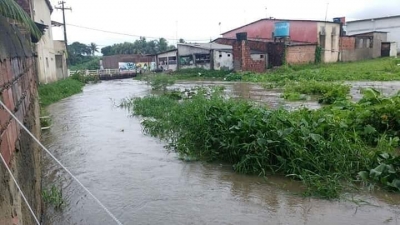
(197, 21)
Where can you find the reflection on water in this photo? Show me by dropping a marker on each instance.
(142, 184)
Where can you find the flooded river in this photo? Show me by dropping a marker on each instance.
(135, 177)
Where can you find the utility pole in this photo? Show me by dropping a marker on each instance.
(63, 8)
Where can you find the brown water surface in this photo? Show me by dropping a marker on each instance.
(134, 176)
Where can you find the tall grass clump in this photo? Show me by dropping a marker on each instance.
(324, 148)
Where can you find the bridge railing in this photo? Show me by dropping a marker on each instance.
(94, 72)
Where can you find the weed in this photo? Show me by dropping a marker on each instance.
(328, 92)
(324, 148)
(53, 92)
(54, 197)
(160, 82)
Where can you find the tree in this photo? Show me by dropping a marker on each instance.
(10, 9)
(93, 48)
(181, 41)
(141, 46)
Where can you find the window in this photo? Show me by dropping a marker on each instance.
(322, 41)
(229, 55)
(172, 60)
(47, 62)
(186, 60)
(220, 55)
(261, 56)
(202, 58)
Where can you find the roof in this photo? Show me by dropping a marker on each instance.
(49, 5)
(377, 18)
(56, 24)
(209, 46)
(292, 43)
(278, 20)
(172, 50)
(370, 32)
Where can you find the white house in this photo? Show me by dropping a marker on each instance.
(205, 55)
(390, 24)
(46, 62)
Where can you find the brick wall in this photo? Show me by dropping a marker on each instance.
(18, 91)
(347, 43)
(300, 54)
(242, 55)
(26, 5)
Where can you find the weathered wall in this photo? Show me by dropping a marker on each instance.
(361, 47)
(242, 59)
(304, 31)
(330, 45)
(18, 90)
(300, 54)
(46, 62)
(111, 62)
(223, 60)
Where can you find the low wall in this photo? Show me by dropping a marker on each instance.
(300, 54)
(18, 90)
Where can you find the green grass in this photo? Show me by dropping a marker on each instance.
(54, 92)
(327, 92)
(384, 69)
(54, 197)
(327, 149)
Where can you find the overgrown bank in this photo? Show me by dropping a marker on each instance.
(327, 149)
(54, 92)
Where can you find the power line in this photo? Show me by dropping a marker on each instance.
(59, 163)
(132, 35)
(19, 189)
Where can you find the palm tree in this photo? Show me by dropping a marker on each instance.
(93, 48)
(10, 9)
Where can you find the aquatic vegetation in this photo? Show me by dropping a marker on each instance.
(54, 197)
(323, 148)
(327, 92)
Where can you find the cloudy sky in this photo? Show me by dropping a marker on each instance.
(197, 20)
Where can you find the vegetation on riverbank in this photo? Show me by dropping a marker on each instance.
(54, 92)
(326, 149)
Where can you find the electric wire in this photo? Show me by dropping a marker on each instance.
(132, 35)
(59, 163)
(19, 189)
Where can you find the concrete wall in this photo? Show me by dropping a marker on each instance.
(46, 62)
(393, 49)
(332, 36)
(184, 50)
(303, 31)
(359, 47)
(111, 62)
(223, 60)
(390, 25)
(61, 60)
(18, 90)
(300, 54)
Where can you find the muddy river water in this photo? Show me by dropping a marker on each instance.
(135, 177)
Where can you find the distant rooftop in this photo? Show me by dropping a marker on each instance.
(278, 20)
(209, 46)
(377, 18)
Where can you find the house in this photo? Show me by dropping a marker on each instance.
(167, 60)
(324, 33)
(46, 52)
(205, 55)
(390, 24)
(363, 46)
